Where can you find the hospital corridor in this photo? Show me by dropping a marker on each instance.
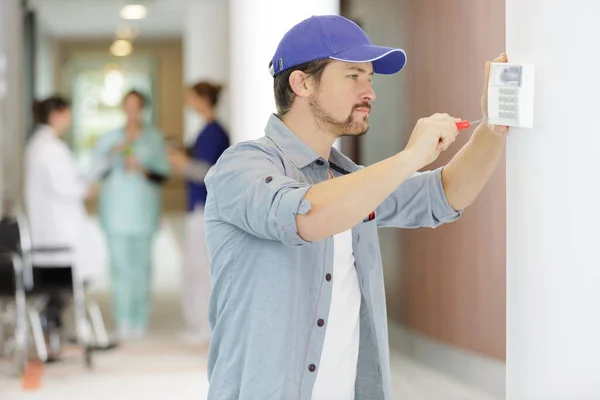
(163, 365)
(299, 199)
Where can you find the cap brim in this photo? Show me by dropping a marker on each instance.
(386, 60)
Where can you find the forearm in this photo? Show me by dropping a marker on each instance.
(469, 170)
(196, 171)
(341, 203)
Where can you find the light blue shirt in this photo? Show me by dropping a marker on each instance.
(270, 287)
(130, 203)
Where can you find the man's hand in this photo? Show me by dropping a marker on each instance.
(494, 129)
(430, 137)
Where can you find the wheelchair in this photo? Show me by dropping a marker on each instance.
(16, 278)
(33, 299)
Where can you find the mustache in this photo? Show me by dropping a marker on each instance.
(362, 105)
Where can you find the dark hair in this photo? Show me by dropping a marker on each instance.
(43, 109)
(209, 91)
(143, 99)
(284, 95)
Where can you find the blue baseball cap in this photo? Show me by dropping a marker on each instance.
(335, 37)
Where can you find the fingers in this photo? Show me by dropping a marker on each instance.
(501, 59)
(501, 129)
(446, 124)
(445, 119)
(445, 127)
(444, 143)
(486, 76)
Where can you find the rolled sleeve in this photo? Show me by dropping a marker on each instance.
(249, 190)
(440, 209)
(419, 202)
(292, 204)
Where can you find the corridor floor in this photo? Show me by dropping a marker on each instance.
(160, 368)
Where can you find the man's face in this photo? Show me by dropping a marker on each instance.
(342, 101)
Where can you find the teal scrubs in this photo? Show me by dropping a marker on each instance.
(129, 213)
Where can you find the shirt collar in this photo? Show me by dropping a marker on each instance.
(300, 153)
(46, 130)
(339, 159)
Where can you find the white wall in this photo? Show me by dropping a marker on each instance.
(206, 55)
(256, 29)
(45, 62)
(3, 96)
(11, 110)
(553, 270)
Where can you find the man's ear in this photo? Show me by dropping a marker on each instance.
(301, 84)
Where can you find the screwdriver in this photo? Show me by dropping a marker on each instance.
(466, 124)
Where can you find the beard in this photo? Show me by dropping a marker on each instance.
(351, 126)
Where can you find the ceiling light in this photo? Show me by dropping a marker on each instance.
(121, 48)
(133, 11)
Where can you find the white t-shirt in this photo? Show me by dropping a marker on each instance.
(336, 372)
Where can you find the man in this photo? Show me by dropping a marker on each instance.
(298, 304)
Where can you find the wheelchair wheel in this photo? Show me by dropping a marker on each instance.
(54, 343)
(19, 361)
(89, 359)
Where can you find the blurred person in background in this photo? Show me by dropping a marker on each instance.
(133, 166)
(54, 195)
(210, 143)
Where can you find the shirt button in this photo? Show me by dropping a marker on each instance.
(320, 322)
(268, 179)
(320, 162)
(328, 277)
(312, 367)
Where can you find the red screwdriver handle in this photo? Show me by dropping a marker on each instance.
(463, 125)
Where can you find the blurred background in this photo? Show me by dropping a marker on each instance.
(447, 308)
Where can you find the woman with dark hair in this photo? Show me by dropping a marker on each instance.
(54, 197)
(133, 167)
(211, 142)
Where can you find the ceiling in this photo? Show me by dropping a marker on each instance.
(100, 18)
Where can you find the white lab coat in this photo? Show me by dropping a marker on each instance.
(54, 196)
